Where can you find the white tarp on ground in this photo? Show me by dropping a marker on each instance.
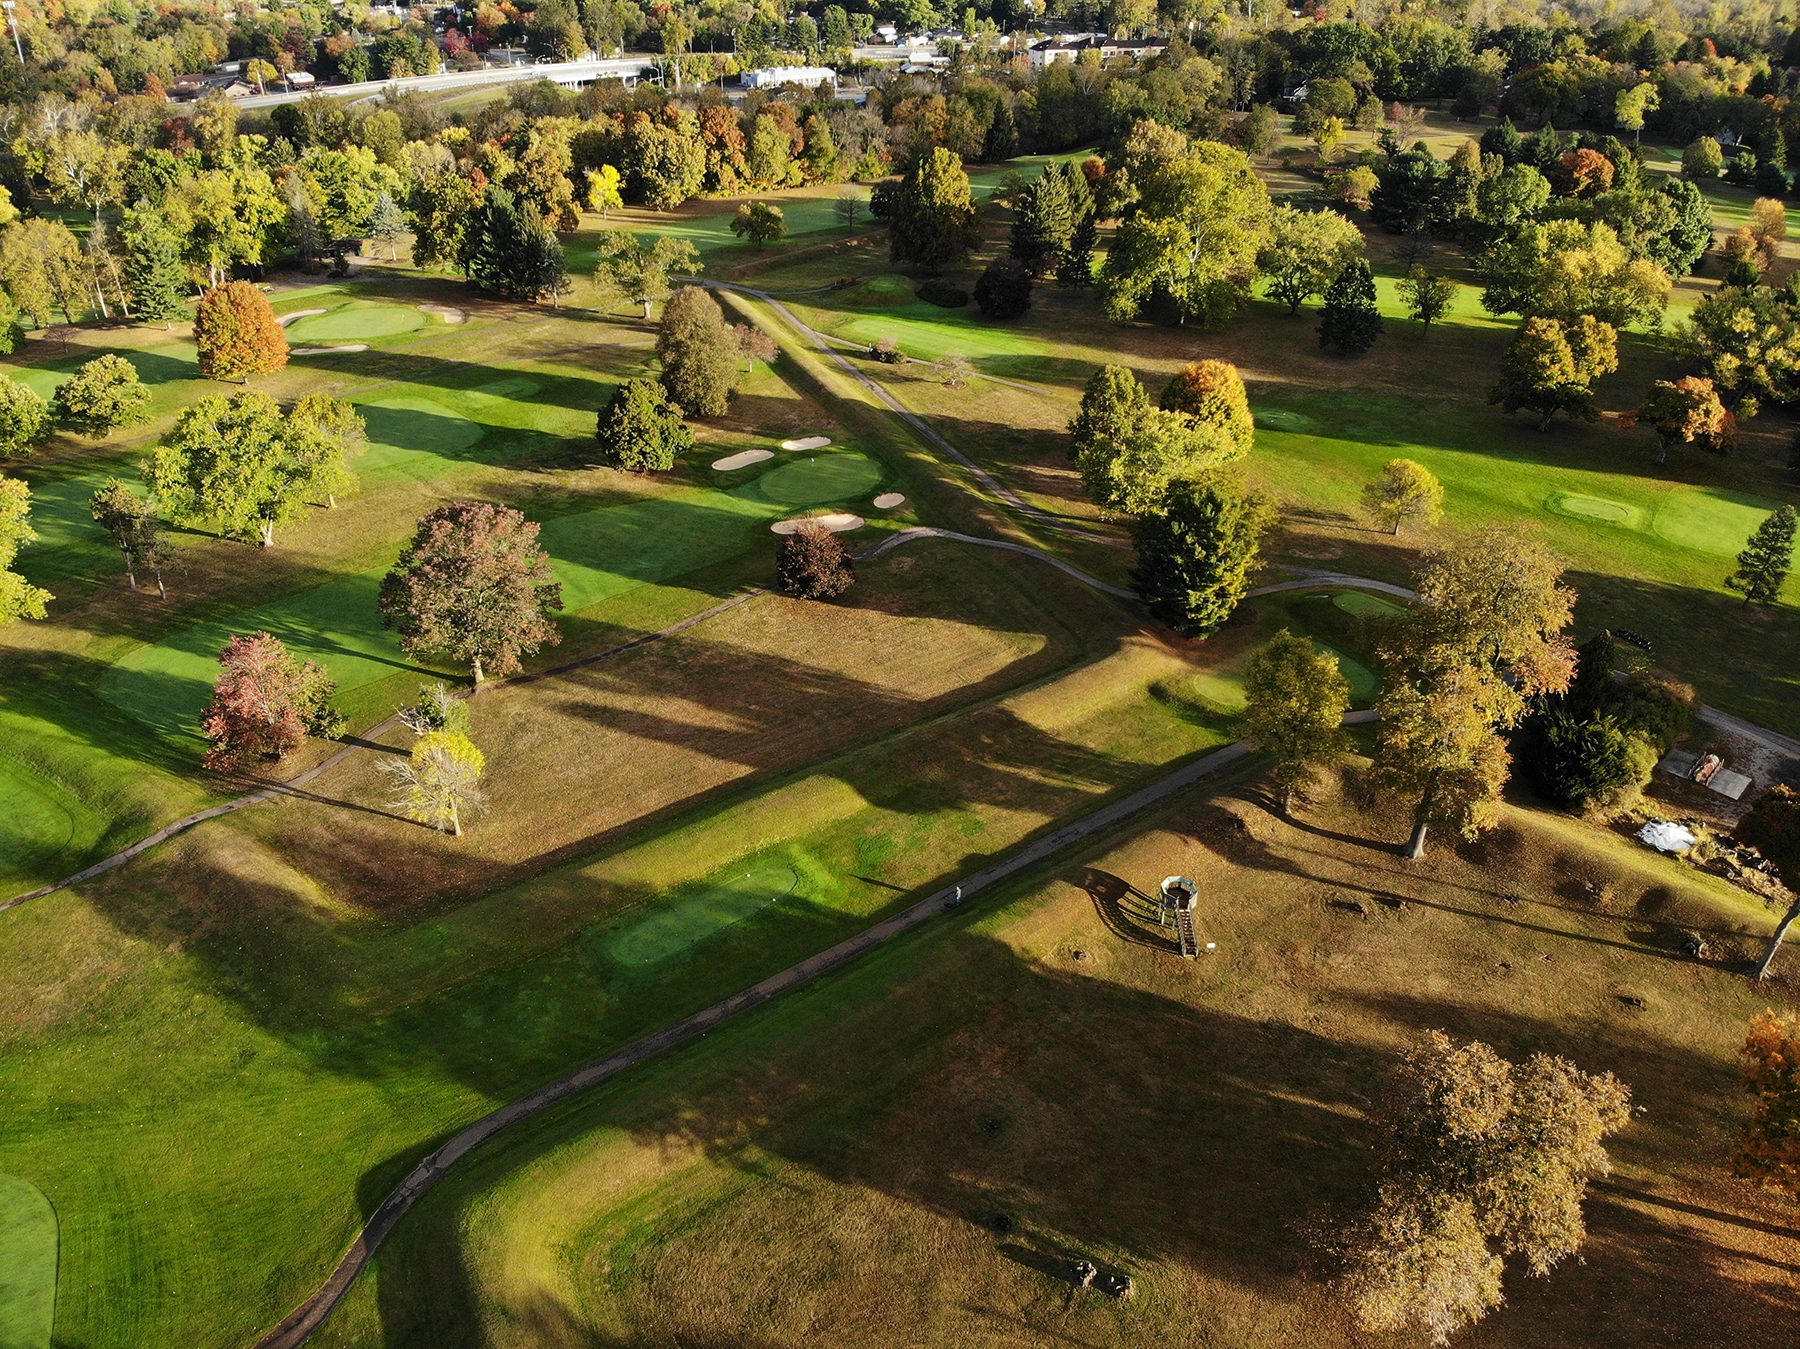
(1667, 836)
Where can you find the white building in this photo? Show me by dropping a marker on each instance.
(807, 77)
(1055, 49)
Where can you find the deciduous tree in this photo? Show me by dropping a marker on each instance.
(1551, 367)
(134, 528)
(1295, 699)
(232, 462)
(1769, 1149)
(640, 273)
(439, 782)
(1686, 411)
(698, 353)
(1428, 296)
(1406, 493)
(813, 564)
(1212, 392)
(18, 597)
(473, 585)
(1197, 551)
(24, 419)
(1306, 249)
(265, 703)
(324, 434)
(1478, 1158)
(1773, 828)
(1762, 568)
(640, 430)
(103, 395)
(238, 334)
(759, 222)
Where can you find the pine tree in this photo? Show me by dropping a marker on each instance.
(1076, 266)
(1196, 555)
(932, 218)
(153, 270)
(1350, 321)
(1043, 223)
(1762, 568)
(540, 272)
(387, 222)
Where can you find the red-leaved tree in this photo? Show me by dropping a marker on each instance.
(475, 586)
(265, 703)
(237, 333)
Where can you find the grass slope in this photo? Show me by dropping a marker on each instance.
(914, 1149)
(27, 1266)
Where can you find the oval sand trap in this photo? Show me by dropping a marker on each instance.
(448, 313)
(807, 443)
(326, 351)
(838, 522)
(888, 500)
(286, 319)
(742, 459)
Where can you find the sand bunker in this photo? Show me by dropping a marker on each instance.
(888, 500)
(326, 351)
(448, 313)
(838, 522)
(742, 459)
(807, 443)
(298, 314)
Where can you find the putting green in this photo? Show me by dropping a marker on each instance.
(838, 475)
(1578, 506)
(1710, 520)
(357, 322)
(38, 824)
(28, 1252)
(1363, 605)
(1281, 419)
(671, 926)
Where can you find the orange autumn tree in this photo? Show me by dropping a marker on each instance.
(1769, 1150)
(238, 334)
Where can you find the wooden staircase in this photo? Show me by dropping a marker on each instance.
(1184, 932)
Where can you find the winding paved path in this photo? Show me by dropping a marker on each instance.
(309, 1315)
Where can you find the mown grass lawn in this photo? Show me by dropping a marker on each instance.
(914, 1149)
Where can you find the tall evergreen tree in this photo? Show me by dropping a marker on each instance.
(1043, 223)
(153, 269)
(1350, 321)
(510, 251)
(1114, 399)
(1762, 568)
(1196, 554)
(1076, 266)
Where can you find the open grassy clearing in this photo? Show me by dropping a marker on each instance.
(841, 1158)
(215, 1000)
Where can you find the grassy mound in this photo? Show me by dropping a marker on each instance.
(40, 822)
(28, 1246)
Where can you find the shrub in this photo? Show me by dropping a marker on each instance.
(944, 294)
(640, 430)
(1579, 764)
(887, 351)
(813, 564)
(1003, 291)
(102, 396)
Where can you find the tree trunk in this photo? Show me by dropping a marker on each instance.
(267, 530)
(1662, 450)
(131, 576)
(162, 590)
(646, 311)
(1287, 800)
(1415, 846)
(455, 821)
(475, 667)
(1781, 931)
(331, 501)
(1396, 526)
(1544, 425)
